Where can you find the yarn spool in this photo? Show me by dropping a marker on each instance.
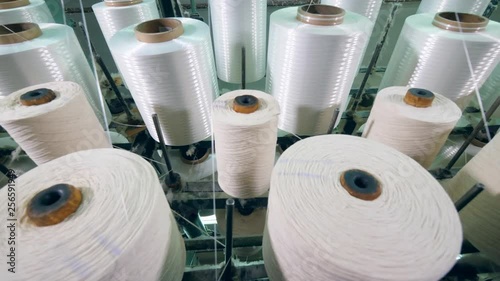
(414, 121)
(15, 11)
(365, 8)
(305, 45)
(481, 217)
(245, 132)
(476, 7)
(51, 120)
(236, 25)
(113, 16)
(489, 92)
(317, 229)
(123, 228)
(168, 66)
(461, 53)
(41, 53)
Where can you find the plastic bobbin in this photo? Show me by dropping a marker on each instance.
(460, 22)
(54, 204)
(18, 32)
(10, 4)
(320, 14)
(159, 30)
(122, 3)
(419, 97)
(37, 97)
(246, 104)
(361, 184)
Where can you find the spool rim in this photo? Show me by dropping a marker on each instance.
(10, 4)
(18, 32)
(246, 104)
(418, 97)
(54, 204)
(159, 30)
(121, 3)
(466, 22)
(37, 97)
(361, 184)
(318, 14)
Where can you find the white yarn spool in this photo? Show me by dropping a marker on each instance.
(476, 7)
(123, 229)
(113, 18)
(367, 8)
(53, 55)
(174, 77)
(245, 143)
(481, 217)
(418, 132)
(489, 92)
(317, 230)
(311, 68)
(62, 126)
(237, 25)
(16, 11)
(429, 57)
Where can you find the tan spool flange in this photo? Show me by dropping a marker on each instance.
(121, 3)
(54, 204)
(318, 14)
(18, 32)
(419, 97)
(159, 30)
(246, 104)
(460, 22)
(37, 97)
(361, 184)
(10, 4)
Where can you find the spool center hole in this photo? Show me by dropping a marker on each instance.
(35, 94)
(361, 182)
(50, 198)
(421, 93)
(322, 10)
(462, 17)
(6, 29)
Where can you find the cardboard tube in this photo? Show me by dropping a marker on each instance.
(460, 22)
(159, 30)
(320, 14)
(18, 32)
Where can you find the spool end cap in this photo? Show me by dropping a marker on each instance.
(246, 104)
(37, 97)
(419, 97)
(361, 184)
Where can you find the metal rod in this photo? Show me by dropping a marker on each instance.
(335, 116)
(375, 57)
(229, 238)
(106, 72)
(476, 130)
(163, 147)
(243, 68)
(469, 196)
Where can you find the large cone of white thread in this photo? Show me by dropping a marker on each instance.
(35, 11)
(174, 78)
(311, 68)
(481, 217)
(245, 144)
(236, 25)
(476, 7)
(55, 55)
(123, 230)
(112, 19)
(62, 126)
(317, 230)
(367, 8)
(418, 132)
(489, 92)
(448, 62)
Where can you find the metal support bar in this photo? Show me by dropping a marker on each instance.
(227, 274)
(207, 244)
(335, 116)
(469, 196)
(476, 130)
(159, 133)
(243, 68)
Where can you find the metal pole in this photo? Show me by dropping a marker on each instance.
(229, 239)
(243, 68)
(469, 196)
(335, 116)
(159, 133)
(476, 130)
